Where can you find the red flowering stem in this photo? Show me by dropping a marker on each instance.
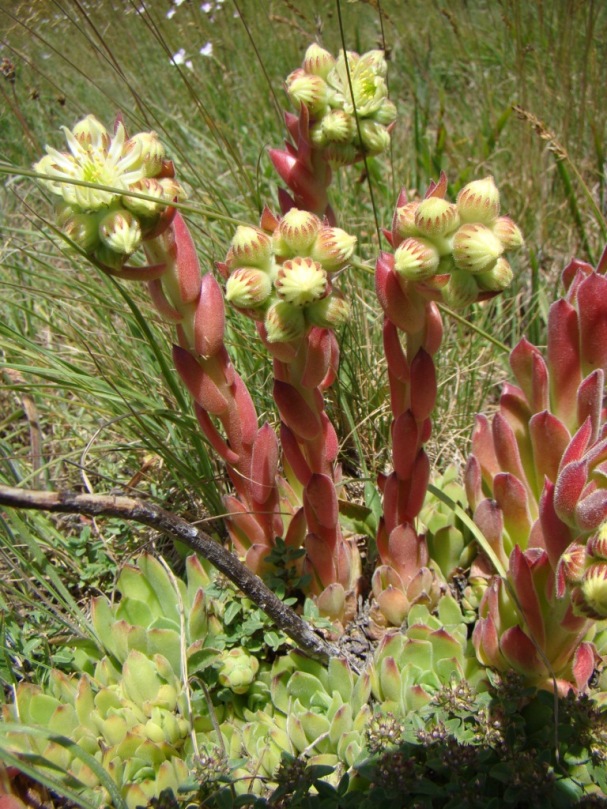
(223, 405)
(303, 369)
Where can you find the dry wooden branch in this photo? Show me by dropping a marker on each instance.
(128, 508)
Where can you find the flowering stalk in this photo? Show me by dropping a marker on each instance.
(109, 227)
(344, 114)
(536, 481)
(281, 276)
(442, 252)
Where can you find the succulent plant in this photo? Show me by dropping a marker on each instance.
(535, 482)
(410, 667)
(443, 251)
(132, 707)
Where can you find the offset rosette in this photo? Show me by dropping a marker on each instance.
(335, 100)
(281, 274)
(446, 251)
(110, 225)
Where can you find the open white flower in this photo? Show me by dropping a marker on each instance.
(101, 159)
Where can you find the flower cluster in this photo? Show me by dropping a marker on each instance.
(282, 274)
(110, 225)
(350, 114)
(462, 242)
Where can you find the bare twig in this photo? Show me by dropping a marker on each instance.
(128, 508)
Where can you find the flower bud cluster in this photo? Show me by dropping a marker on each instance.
(109, 225)
(335, 100)
(284, 278)
(466, 241)
(584, 568)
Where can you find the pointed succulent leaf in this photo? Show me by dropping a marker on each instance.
(511, 497)
(423, 385)
(521, 653)
(521, 573)
(592, 308)
(168, 590)
(549, 439)
(264, 464)
(564, 363)
(590, 400)
(584, 661)
(341, 678)
(304, 687)
(140, 679)
(556, 534)
(591, 510)
(483, 449)
(296, 732)
(390, 680)
(531, 374)
(209, 320)
(570, 484)
(295, 411)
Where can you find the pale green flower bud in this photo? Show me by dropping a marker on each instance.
(317, 135)
(337, 127)
(329, 313)
(144, 207)
(83, 230)
(508, 233)
(91, 134)
(318, 61)
(416, 259)
(333, 248)
(301, 281)
(296, 233)
(476, 248)
(120, 231)
(341, 154)
(308, 89)
(250, 247)
(479, 201)
(461, 290)
(375, 137)
(172, 190)
(436, 217)
(573, 563)
(404, 221)
(594, 589)
(386, 114)
(498, 278)
(149, 150)
(284, 322)
(596, 546)
(248, 288)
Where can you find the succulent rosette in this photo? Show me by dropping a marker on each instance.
(282, 274)
(536, 483)
(335, 101)
(110, 225)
